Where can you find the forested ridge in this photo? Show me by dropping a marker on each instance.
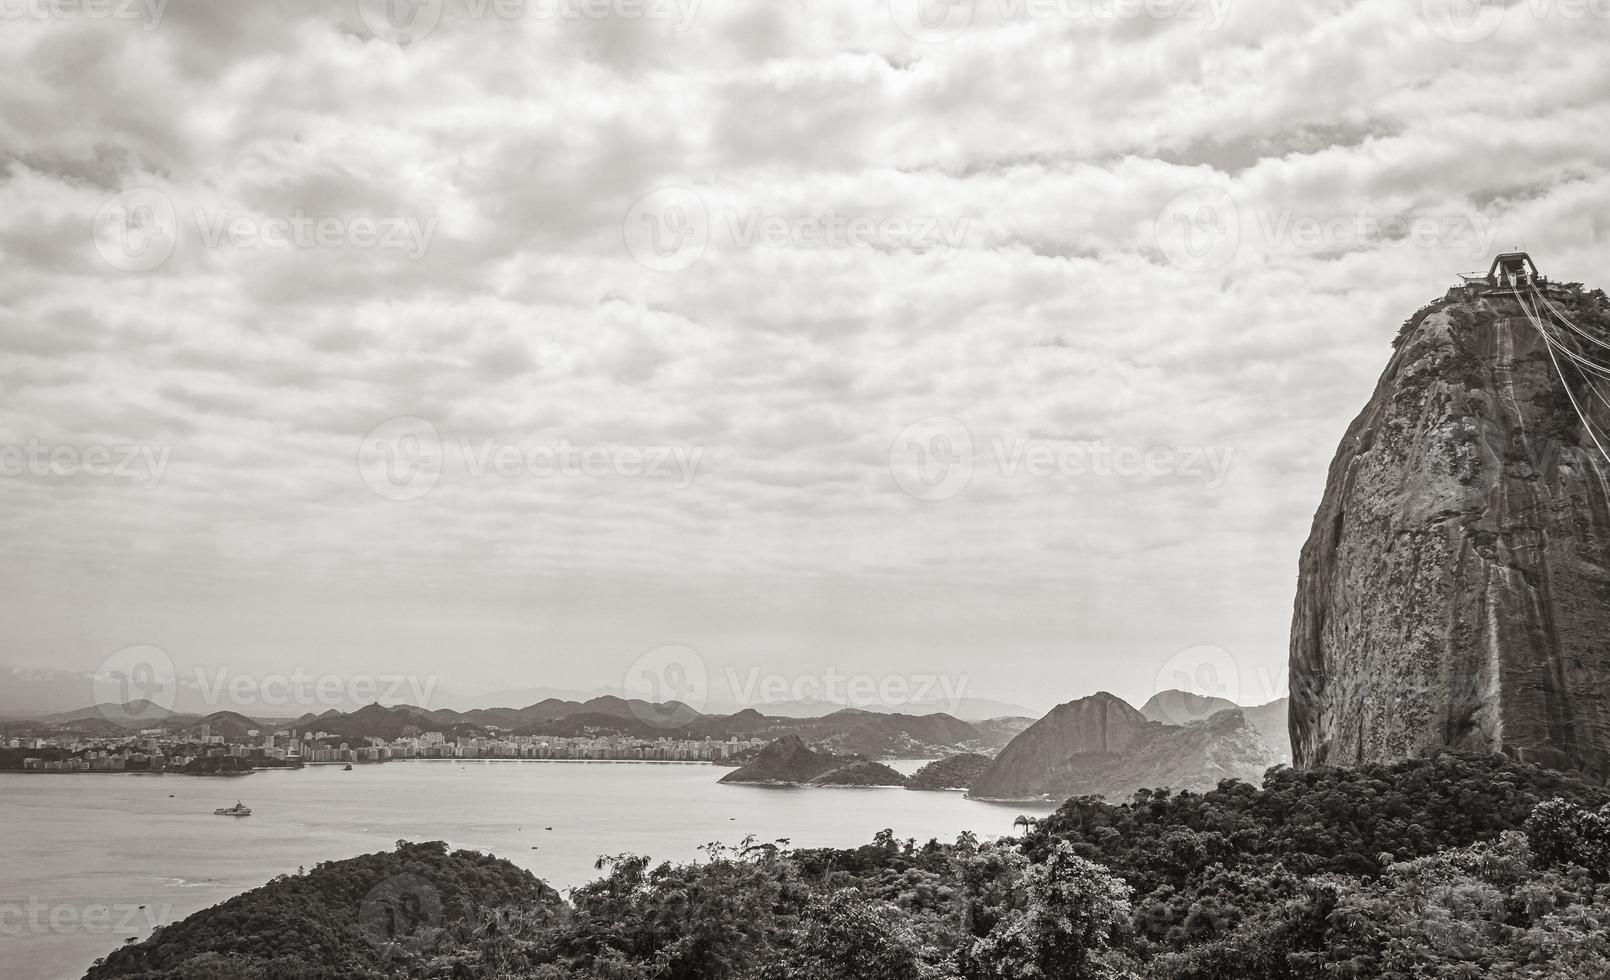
(1453, 866)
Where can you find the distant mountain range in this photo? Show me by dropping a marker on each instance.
(1095, 746)
(967, 709)
(35, 693)
(1103, 746)
(1182, 708)
(846, 731)
(1099, 745)
(120, 720)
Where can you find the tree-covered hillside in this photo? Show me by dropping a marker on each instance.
(367, 917)
(1448, 867)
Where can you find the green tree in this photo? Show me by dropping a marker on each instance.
(1071, 913)
(1560, 832)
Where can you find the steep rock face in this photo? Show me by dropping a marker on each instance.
(1454, 589)
(1100, 725)
(1100, 746)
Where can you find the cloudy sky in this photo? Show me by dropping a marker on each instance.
(999, 343)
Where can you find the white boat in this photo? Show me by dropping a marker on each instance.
(238, 810)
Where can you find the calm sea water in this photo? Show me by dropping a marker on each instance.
(80, 855)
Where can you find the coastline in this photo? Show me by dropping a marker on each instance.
(611, 762)
(355, 765)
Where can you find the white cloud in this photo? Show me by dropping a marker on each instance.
(1006, 188)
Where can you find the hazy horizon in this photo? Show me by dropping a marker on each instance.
(37, 692)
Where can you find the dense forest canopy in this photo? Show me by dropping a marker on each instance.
(1452, 866)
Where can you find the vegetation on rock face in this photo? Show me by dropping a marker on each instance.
(1453, 866)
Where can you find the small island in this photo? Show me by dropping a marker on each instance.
(786, 762)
